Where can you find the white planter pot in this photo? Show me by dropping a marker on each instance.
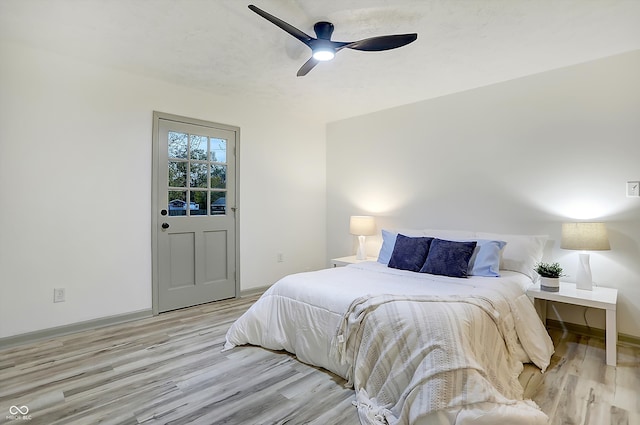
(551, 284)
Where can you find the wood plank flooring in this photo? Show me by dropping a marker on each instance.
(169, 370)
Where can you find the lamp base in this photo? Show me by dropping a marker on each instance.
(583, 276)
(361, 254)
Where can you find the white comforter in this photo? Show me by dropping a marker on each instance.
(305, 314)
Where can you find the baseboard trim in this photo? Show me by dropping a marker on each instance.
(592, 332)
(30, 337)
(253, 291)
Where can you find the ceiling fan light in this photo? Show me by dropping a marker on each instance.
(323, 54)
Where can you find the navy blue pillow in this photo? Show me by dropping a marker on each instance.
(449, 258)
(409, 253)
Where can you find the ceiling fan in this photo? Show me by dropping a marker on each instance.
(324, 49)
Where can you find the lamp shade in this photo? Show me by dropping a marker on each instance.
(585, 236)
(362, 225)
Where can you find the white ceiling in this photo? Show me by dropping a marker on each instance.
(220, 46)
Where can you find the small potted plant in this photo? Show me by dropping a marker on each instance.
(550, 274)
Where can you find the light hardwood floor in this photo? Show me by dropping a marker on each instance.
(169, 370)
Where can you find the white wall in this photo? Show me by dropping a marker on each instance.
(521, 156)
(517, 157)
(75, 192)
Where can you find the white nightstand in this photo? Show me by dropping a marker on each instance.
(604, 298)
(344, 261)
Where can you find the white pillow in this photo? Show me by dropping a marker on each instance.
(451, 235)
(521, 253)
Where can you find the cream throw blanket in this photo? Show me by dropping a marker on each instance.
(411, 357)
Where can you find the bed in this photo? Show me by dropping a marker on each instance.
(418, 348)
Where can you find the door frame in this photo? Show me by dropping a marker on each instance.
(155, 157)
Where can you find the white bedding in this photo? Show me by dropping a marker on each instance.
(302, 313)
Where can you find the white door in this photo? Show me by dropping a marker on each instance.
(194, 212)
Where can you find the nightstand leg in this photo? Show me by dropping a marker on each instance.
(541, 308)
(612, 338)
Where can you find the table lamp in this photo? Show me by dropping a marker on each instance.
(584, 237)
(362, 226)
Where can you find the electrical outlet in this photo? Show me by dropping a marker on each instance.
(633, 189)
(58, 295)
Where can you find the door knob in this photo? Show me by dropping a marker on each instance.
(165, 225)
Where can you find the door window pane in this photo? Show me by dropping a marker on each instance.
(177, 203)
(218, 150)
(218, 203)
(198, 204)
(198, 175)
(218, 177)
(199, 147)
(177, 174)
(178, 145)
(197, 164)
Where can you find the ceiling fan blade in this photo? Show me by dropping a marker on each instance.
(305, 38)
(324, 48)
(384, 42)
(308, 66)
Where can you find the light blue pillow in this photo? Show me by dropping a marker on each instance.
(388, 242)
(485, 260)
